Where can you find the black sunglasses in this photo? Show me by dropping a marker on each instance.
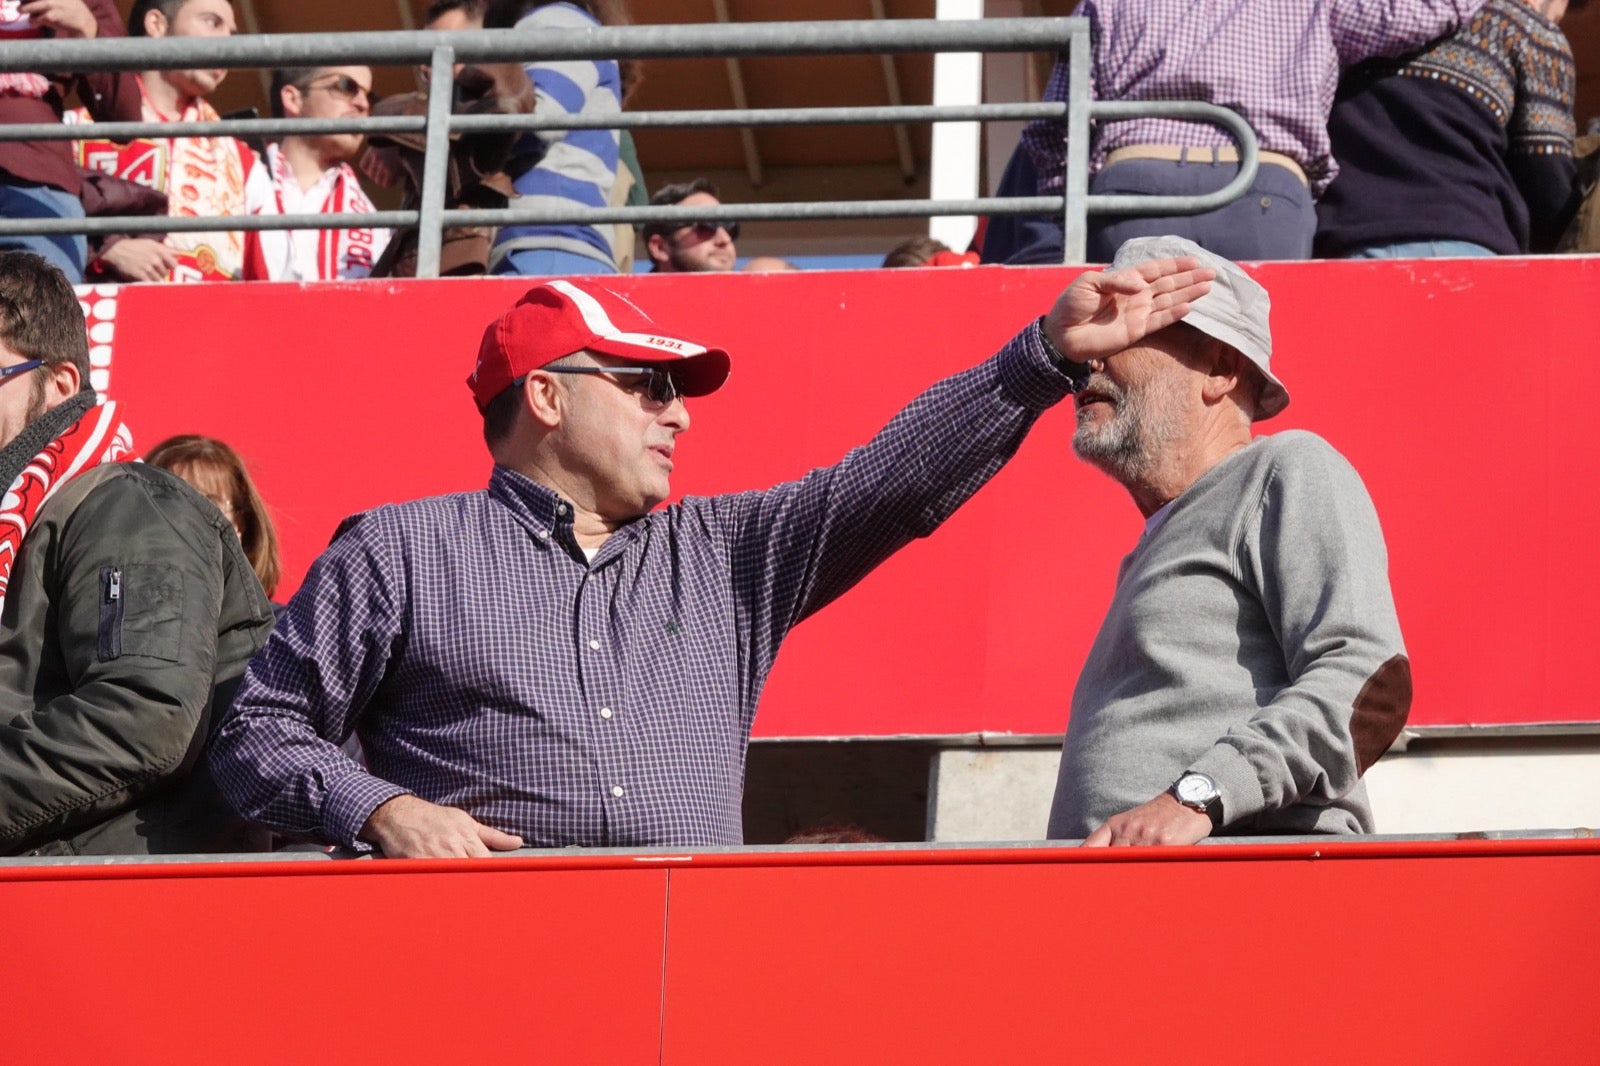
(707, 230)
(655, 382)
(341, 85)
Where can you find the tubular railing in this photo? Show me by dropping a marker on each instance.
(441, 51)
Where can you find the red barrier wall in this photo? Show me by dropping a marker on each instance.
(1374, 952)
(1459, 389)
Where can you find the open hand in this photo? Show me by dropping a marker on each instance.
(407, 827)
(1101, 314)
(68, 18)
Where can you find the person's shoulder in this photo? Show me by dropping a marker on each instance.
(428, 514)
(1301, 457)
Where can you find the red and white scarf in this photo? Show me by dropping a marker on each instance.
(202, 176)
(283, 255)
(100, 436)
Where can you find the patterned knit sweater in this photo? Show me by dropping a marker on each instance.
(1470, 139)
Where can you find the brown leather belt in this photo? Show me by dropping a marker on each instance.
(1177, 153)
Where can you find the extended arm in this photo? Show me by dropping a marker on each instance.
(1363, 29)
(798, 546)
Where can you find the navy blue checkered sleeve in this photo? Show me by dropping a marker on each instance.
(798, 546)
(276, 754)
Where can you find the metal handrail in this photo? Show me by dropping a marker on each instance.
(442, 50)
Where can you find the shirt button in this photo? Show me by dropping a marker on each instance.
(616, 790)
(561, 508)
(544, 534)
(605, 712)
(594, 645)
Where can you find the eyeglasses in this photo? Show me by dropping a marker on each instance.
(706, 230)
(8, 372)
(653, 382)
(342, 85)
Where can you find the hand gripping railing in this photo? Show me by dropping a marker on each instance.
(442, 50)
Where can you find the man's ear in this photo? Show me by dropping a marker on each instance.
(62, 381)
(1223, 367)
(657, 248)
(290, 98)
(543, 399)
(155, 23)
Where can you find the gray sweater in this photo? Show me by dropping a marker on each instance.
(1253, 638)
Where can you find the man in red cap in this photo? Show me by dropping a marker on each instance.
(555, 661)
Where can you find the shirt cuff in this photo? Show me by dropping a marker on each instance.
(1032, 377)
(1236, 781)
(350, 802)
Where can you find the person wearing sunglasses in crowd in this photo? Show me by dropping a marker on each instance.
(690, 247)
(309, 174)
(556, 661)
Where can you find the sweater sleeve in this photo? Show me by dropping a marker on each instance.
(1314, 552)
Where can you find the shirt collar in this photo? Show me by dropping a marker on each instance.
(540, 508)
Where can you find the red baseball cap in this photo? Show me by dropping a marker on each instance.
(563, 316)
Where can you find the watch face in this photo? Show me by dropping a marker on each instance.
(1196, 788)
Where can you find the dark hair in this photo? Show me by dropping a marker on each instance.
(440, 8)
(40, 317)
(836, 834)
(141, 8)
(673, 194)
(182, 454)
(914, 252)
(296, 76)
(501, 415)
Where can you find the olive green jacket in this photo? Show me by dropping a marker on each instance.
(129, 619)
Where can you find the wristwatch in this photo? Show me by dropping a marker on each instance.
(1199, 792)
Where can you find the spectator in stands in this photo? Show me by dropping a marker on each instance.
(1463, 149)
(311, 174)
(927, 251)
(128, 608)
(834, 833)
(690, 247)
(642, 638)
(201, 176)
(39, 179)
(1250, 666)
(1274, 63)
(562, 167)
(218, 473)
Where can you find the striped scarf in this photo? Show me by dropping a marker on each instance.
(272, 255)
(50, 451)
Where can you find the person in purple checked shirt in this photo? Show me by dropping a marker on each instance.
(1275, 62)
(556, 660)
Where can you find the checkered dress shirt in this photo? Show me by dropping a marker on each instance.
(1275, 62)
(486, 664)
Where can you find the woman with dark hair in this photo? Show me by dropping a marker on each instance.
(217, 472)
(562, 167)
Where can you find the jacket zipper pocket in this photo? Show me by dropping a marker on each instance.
(111, 607)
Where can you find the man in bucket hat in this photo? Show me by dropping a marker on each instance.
(556, 662)
(1250, 667)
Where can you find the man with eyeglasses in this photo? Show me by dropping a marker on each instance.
(555, 661)
(127, 608)
(310, 174)
(690, 247)
(199, 176)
